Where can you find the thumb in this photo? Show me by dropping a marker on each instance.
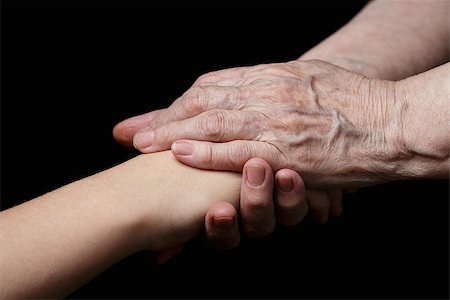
(230, 156)
(124, 131)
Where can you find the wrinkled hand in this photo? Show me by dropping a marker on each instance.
(332, 126)
(310, 114)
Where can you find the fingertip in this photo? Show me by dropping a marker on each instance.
(285, 180)
(182, 148)
(257, 208)
(221, 215)
(289, 181)
(221, 226)
(144, 141)
(123, 134)
(258, 174)
(124, 131)
(197, 154)
(224, 216)
(290, 197)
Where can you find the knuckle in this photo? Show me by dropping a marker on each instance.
(242, 152)
(208, 156)
(207, 78)
(160, 120)
(162, 135)
(194, 100)
(212, 125)
(275, 92)
(258, 203)
(290, 206)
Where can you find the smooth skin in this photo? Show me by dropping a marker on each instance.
(55, 243)
(389, 40)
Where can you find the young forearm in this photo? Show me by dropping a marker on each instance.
(390, 39)
(55, 243)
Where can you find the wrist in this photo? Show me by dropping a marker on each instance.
(425, 142)
(380, 113)
(166, 202)
(355, 65)
(400, 144)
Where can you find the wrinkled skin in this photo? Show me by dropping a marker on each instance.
(334, 127)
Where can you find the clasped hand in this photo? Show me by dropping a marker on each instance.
(336, 128)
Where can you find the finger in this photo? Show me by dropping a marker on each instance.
(161, 257)
(229, 156)
(227, 77)
(197, 100)
(336, 207)
(215, 125)
(290, 201)
(221, 225)
(232, 76)
(257, 209)
(319, 205)
(124, 131)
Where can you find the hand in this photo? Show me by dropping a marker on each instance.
(258, 208)
(336, 128)
(259, 211)
(224, 232)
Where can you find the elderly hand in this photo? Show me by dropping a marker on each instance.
(268, 88)
(335, 127)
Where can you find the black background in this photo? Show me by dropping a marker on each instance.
(71, 70)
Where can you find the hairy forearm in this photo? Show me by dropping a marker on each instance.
(390, 39)
(53, 244)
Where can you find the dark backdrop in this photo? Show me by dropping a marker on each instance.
(71, 70)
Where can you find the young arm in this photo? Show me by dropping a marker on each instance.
(390, 39)
(55, 243)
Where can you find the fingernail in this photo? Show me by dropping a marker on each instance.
(223, 223)
(285, 184)
(182, 148)
(144, 140)
(255, 175)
